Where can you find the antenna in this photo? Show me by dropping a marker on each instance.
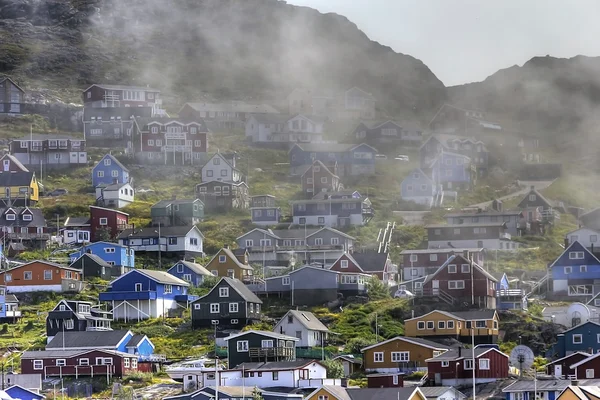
(521, 357)
(577, 314)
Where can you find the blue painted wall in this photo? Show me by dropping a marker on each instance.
(107, 170)
(119, 257)
(126, 283)
(18, 393)
(457, 165)
(2, 301)
(416, 178)
(179, 270)
(264, 217)
(336, 208)
(589, 332)
(299, 157)
(592, 270)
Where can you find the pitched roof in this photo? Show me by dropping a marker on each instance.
(390, 393)
(418, 341)
(274, 365)
(197, 268)
(41, 262)
(6, 78)
(87, 339)
(114, 186)
(451, 259)
(37, 219)
(432, 251)
(11, 298)
(77, 221)
(273, 335)
(122, 87)
(15, 160)
(18, 178)
(338, 392)
(371, 261)
(438, 226)
(93, 257)
(271, 118)
(539, 195)
(579, 247)
(222, 157)
(165, 203)
(436, 391)
(135, 340)
(21, 388)
(151, 232)
(474, 315)
(318, 163)
(583, 392)
(325, 147)
(242, 290)
(231, 256)
(161, 277)
(581, 353)
(307, 319)
(114, 160)
(484, 214)
(66, 353)
(452, 354)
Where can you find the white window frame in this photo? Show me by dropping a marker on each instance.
(223, 292)
(38, 365)
(344, 264)
(465, 268)
(378, 357)
(468, 364)
(450, 324)
(242, 346)
(233, 307)
(103, 221)
(400, 356)
(215, 308)
(484, 364)
(452, 269)
(579, 336)
(421, 325)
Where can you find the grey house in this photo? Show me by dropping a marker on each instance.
(228, 304)
(514, 220)
(311, 285)
(304, 246)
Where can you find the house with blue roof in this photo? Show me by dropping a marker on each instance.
(189, 271)
(583, 337)
(143, 294)
(574, 273)
(351, 159)
(18, 392)
(420, 188)
(454, 171)
(112, 253)
(109, 171)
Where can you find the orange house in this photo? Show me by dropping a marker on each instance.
(41, 276)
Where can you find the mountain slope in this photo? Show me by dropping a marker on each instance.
(219, 48)
(559, 94)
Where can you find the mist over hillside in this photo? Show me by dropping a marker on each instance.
(211, 48)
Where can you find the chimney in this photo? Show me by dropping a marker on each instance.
(466, 254)
(115, 181)
(174, 197)
(226, 246)
(532, 187)
(574, 382)
(460, 351)
(566, 242)
(592, 248)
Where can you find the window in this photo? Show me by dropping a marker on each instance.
(27, 217)
(468, 364)
(568, 270)
(150, 142)
(224, 292)
(480, 324)
(285, 280)
(214, 308)
(249, 243)
(103, 221)
(456, 285)
(27, 275)
(589, 374)
(414, 258)
(275, 375)
(233, 307)
(321, 220)
(323, 397)
(100, 174)
(577, 338)
(378, 356)
(484, 363)
(450, 324)
(421, 325)
(452, 268)
(83, 361)
(457, 231)
(267, 344)
(126, 362)
(47, 274)
(344, 264)
(216, 161)
(430, 324)
(532, 197)
(223, 172)
(138, 287)
(576, 255)
(495, 324)
(433, 257)
(583, 268)
(194, 241)
(196, 306)
(109, 250)
(10, 217)
(242, 346)
(441, 324)
(414, 272)
(318, 241)
(400, 356)
(61, 362)
(335, 241)
(437, 232)
(209, 173)
(593, 238)
(168, 289)
(465, 268)
(222, 259)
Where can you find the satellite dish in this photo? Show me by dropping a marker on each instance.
(577, 314)
(521, 357)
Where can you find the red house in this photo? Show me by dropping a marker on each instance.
(588, 368)
(561, 368)
(81, 363)
(369, 262)
(395, 379)
(455, 367)
(102, 220)
(462, 281)
(170, 141)
(318, 178)
(418, 263)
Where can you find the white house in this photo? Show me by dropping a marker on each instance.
(219, 168)
(305, 326)
(284, 129)
(442, 393)
(588, 238)
(117, 195)
(285, 374)
(183, 240)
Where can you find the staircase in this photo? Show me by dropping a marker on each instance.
(445, 297)
(537, 285)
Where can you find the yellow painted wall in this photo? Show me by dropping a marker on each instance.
(34, 191)
(459, 329)
(417, 353)
(222, 268)
(322, 392)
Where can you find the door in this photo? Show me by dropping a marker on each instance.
(558, 370)
(435, 286)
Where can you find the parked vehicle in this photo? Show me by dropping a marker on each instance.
(380, 157)
(58, 192)
(401, 157)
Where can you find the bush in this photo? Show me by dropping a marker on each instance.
(354, 346)
(335, 369)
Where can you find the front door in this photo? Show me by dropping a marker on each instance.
(558, 370)
(435, 286)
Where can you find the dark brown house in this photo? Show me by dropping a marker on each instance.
(561, 368)
(221, 196)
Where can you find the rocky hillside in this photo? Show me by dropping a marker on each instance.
(212, 48)
(559, 94)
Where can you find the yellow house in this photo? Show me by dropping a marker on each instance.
(225, 263)
(390, 393)
(392, 354)
(20, 187)
(456, 325)
(580, 393)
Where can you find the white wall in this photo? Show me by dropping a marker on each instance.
(189, 247)
(308, 336)
(493, 244)
(34, 288)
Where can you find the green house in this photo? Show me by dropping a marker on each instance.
(177, 212)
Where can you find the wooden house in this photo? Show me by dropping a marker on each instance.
(42, 276)
(351, 159)
(561, 368)
(76, 316)
(50, 152)
(225, 263)
(305, 326)
(11, 97)
(319, 178)
(228, 304)
(106, 223)
(254, 346)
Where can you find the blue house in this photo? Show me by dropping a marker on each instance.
(420, 188)
(264, 210)
(190, 272)
(109, 170)
(333, 210)
(142, 294)
(352, 159)
(584, 337)
(574, 273)
(18, 392)
(113, 253)
(509, 299)
(454, 171)
(123, 341)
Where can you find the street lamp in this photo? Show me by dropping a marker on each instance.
(159, 248)
(215, 322)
